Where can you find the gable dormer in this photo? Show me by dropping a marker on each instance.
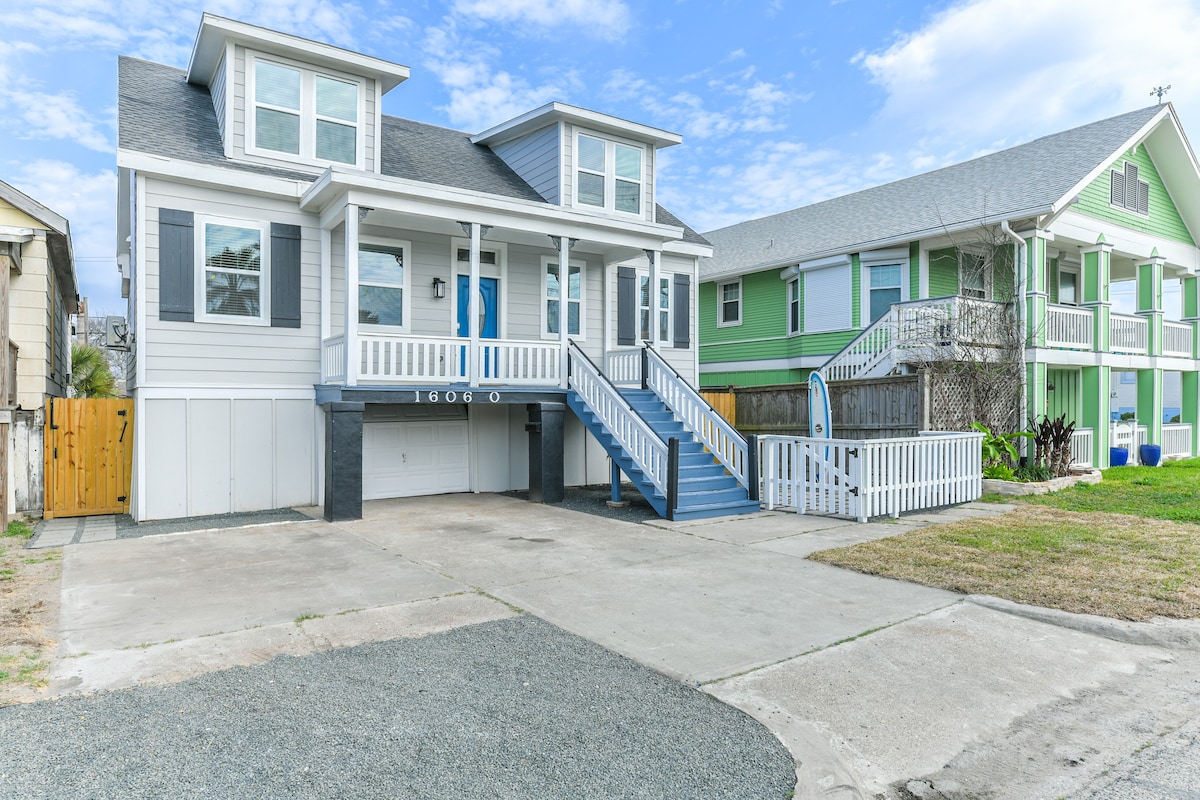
(291, 102)
(582, 159)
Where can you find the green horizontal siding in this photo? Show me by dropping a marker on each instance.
(743, 351)
(761, 377)
(1163, 220)
(855, 291)
(764, 310)
(821, 344)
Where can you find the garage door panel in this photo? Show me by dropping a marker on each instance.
(407, 459)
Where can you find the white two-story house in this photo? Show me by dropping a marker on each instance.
(329, 304)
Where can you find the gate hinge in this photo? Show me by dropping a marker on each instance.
(852, 452)
(853, 490)
(56, 452)
(122, 498)
(121, 413)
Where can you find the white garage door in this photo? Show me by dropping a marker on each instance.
(408, 459)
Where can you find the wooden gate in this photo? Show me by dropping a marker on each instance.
(89, 456)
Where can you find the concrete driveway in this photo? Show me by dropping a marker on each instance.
(731, 605)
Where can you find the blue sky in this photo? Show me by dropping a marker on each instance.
(780, 104)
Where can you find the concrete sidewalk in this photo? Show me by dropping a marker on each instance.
(870, 682)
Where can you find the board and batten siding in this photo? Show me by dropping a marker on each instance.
(229, 354)
(535, 157)
(1163, 219)
(225, 455)
(238, 129)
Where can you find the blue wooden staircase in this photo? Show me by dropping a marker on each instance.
(692, 483)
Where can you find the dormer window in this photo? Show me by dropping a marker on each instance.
(609, 174)
(303, 113)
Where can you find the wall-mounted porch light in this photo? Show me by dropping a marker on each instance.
(439, 289)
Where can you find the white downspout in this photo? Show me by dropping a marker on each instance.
(1020, 303)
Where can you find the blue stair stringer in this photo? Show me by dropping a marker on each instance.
(706, 489)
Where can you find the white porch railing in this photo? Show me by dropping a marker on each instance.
(1176, 440)
(873, 477)
(1177, 339)
(445, 359)
(711, 429)
(1069, 327)
(1082, 444)
(1128, 334)
(639, 441)
(624, 367)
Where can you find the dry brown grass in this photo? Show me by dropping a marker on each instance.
(1108, 564)
(29, 590)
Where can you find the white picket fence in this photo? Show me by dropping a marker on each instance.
(870, 477)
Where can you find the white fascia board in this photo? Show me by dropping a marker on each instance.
(448, 202)
(683, 248)
(8, 233)
(205, 175)
(561, 112)
(26, 204)
(1126, 241)
(215, 31)
(1100, 168)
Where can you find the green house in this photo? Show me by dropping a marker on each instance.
(1074, 253)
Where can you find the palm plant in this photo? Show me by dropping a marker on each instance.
(90, 374)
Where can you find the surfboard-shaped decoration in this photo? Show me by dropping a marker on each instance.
(820, 422)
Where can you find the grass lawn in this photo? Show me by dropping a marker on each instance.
(1127, 548)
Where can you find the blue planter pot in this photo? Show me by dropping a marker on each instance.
(1118, 456)
(1150, 454)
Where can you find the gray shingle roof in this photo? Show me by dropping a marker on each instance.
(1004, 185)
(160, 113)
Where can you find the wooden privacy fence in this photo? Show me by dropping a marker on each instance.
(868, 409)
(724, 401)
(88, 455)
(870, 477)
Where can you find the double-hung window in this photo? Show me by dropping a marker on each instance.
(793, 306)
(233, 273)
(562, 292)
(973, 277)
(299, 112)
(383, 285)
(1068, 287)
(729, 303)
(884, 287)
(609, 174)
(1126, 190)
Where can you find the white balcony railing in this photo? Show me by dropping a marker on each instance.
(1177, 339)
(1128, 334)
(1082, 443)
(624, 367)
(1069, 327)
(438, 360)
(1177, 440)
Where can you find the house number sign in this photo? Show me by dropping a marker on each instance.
(456, 397)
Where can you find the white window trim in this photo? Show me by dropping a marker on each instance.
(1123, 171)
(307, 113)
(499, 271)
(864, 286)
(200, 313)
(793, 286)
(406, 287)
(989, 289)
(1075, 270)
(545, 315)
(610, 174)
(721, 323)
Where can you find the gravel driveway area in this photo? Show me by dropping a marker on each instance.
(511, 709)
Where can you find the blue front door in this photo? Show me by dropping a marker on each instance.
(489, 296)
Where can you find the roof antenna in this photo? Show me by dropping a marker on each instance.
(1160, 91)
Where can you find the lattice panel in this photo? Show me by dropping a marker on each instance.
(959, 398)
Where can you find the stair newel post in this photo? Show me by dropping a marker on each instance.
(645, 366)
(752, 467)
(672, 476)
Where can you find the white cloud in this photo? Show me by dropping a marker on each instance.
(607, 19)
(979, 71)
(37, 115)
(87, 201)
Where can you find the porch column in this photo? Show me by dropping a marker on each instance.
(1191, 310)
(473, 230)
(343, 461)
(1150, 302)
(545, 430)
(1037, 283)
(1190, 412)
(652, 258)
(1094, 277)
(326, 267)
(563, 245)
(1096, 382)
(1150, 403)
(352, 348)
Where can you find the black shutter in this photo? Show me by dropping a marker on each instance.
(285, 276)
(176, 265)
(627, 306)
(682, 306)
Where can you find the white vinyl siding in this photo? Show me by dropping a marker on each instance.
(827, 299)
(212, 353)
(535, 158)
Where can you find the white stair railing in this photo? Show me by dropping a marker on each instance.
(637, 438)
(711, 429)
(866, 352)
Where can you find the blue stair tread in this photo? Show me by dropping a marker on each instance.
(717, 510)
